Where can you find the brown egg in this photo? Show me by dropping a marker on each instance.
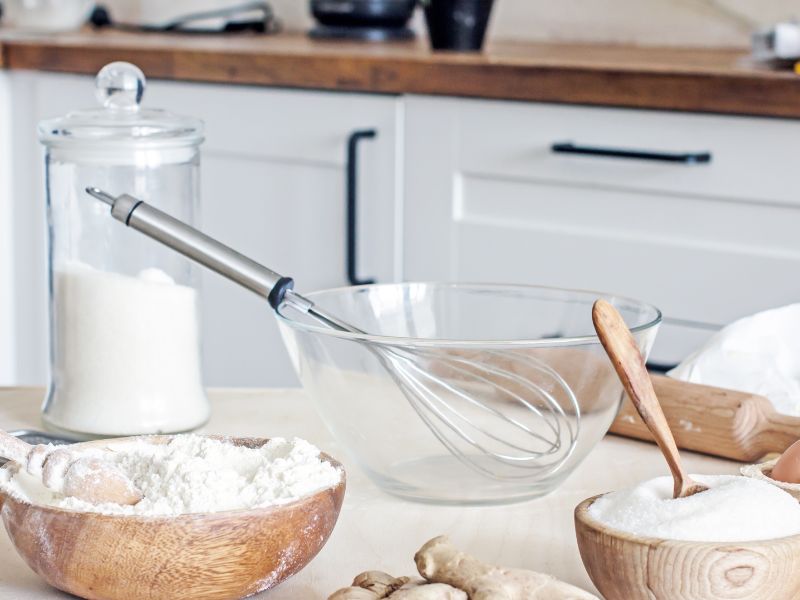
(787, 469)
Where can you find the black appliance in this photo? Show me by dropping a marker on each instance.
(374, 20)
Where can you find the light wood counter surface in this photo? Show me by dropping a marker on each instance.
(690, 79)
(378, 531)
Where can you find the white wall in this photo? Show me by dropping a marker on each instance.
(646, 22)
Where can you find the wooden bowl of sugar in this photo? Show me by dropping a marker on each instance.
(198, 556)
(624, 566)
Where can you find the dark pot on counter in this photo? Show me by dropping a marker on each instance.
(363, 13)
(457, 24)
(375, 20)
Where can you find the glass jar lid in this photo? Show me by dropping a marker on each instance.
(121, 121)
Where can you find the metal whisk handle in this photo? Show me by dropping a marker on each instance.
(197, 246)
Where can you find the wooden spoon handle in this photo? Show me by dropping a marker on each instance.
(13, 448)
(629, 364)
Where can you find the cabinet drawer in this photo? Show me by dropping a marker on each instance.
(697, 259)
(486, 200)
(751, 158)
(722, 264)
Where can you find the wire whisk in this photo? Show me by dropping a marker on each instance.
(506, 415)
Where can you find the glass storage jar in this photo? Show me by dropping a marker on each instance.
(124, 341)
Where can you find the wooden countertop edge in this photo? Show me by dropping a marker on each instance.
(743, 91)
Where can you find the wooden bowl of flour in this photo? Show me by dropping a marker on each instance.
(199, 556)
(628, 567)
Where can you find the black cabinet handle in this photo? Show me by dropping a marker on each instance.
(352, 193)
(687, 158)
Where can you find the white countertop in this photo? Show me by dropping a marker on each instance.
(378, 531)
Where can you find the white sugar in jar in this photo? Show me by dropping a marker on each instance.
(126, 359)
(124, 341)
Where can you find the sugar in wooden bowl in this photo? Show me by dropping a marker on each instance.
(180, 552)
(744, 542)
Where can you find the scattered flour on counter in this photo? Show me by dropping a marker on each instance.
(734, 509)
(194, 474)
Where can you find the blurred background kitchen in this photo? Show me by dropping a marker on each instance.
(445, 181)
(652, 22)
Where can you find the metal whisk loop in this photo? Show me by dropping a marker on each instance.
(494, 376)
(441, 387)
(471, 399)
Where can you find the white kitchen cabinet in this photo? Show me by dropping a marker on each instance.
(7, 300)
(488, 200)
(24, 190)
(448, 189)
(273, 187)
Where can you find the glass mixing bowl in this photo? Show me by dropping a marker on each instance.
(463, 393)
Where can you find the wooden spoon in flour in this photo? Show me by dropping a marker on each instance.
(629, 364)
(90, 479)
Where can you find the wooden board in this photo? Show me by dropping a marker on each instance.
(715, 421)
(690, 79)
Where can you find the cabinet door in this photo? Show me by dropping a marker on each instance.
(273, 187)
(487, 199)
(274, 178)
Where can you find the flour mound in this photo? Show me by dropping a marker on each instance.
(196, 474)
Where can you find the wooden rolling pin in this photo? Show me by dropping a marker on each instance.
(726, 423)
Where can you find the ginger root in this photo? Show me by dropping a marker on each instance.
(353, 593)
(379, 582)
(452, 575)
(370, 585)
(376, 585)
(428, 591)
(439, 561)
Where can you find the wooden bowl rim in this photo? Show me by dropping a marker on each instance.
(765, 468)
(225, 514)
(584, 519)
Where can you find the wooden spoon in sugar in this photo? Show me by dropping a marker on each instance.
(628, 362)
(88, 478)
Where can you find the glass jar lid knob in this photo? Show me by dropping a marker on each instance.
(120, 86)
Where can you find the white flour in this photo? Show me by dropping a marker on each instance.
(127, 358)
(195, 474)
(735, 509)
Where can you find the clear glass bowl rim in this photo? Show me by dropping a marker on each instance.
(387, 340)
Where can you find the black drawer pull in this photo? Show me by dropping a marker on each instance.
(687, 158)
(352, 203)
